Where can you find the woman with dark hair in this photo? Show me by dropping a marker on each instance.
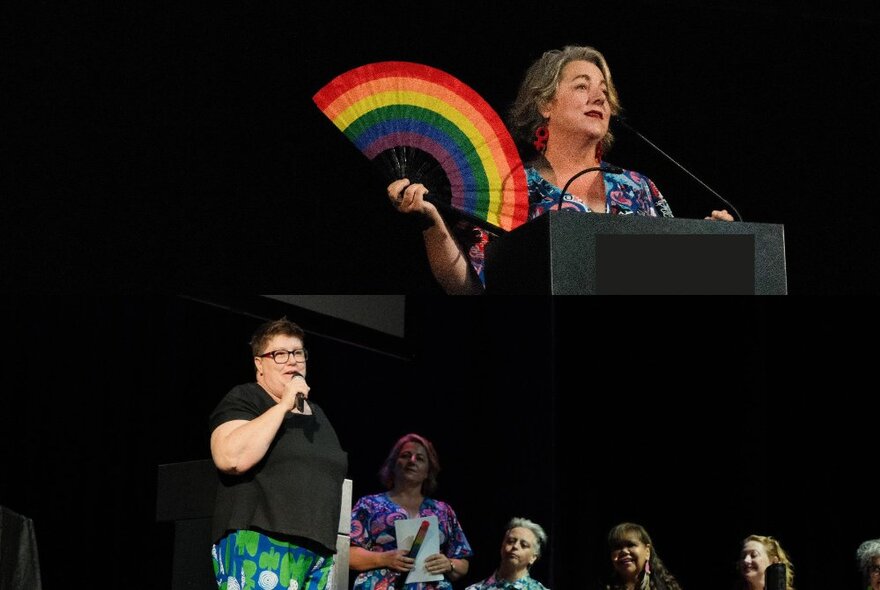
(281, 469)
(635, 562)
(409, 473)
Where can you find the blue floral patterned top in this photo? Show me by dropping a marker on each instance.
(626, 193)
(492, 582)
(372, 527)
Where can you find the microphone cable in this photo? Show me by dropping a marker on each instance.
(603, 168)
(626, 125)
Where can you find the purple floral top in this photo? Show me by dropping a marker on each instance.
(372, 527)
(626, 193)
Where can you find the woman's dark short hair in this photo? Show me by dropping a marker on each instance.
(268, 330)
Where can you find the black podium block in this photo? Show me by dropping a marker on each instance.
(565, 253)
(185, 496)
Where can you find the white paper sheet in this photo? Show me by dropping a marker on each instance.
(405, 530)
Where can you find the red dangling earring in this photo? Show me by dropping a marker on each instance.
(542, 134)
(599, 152)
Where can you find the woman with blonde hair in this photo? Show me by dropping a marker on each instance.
(757, 553)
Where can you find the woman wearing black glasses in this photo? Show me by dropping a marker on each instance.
(282, 467)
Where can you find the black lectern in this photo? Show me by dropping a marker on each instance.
(186, 493)
(565, 253)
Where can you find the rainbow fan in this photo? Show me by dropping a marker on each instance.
(421, 123)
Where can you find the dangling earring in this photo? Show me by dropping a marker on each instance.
(542, 134)
(599, 156)
(646, 579)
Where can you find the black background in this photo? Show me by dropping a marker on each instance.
(699, 427)
(179, 140)
(166, 148)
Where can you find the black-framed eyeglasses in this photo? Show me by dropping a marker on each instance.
(874, 570)
(281, 356)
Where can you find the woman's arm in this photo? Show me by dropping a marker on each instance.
(238, 445)
(459, 569)
(361, 559)
(450, 567)
(449, 265)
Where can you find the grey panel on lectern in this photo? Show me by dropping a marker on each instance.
(565, 253)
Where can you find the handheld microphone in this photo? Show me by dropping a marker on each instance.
(623, 123)
(300, 398)
(604, 168)
(774, 577)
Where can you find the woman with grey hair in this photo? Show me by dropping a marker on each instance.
(523, 543)
(868, 555)
(560, 119)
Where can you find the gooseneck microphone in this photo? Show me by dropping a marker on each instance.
(604, 168)
(774, 577)
(627, 126)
